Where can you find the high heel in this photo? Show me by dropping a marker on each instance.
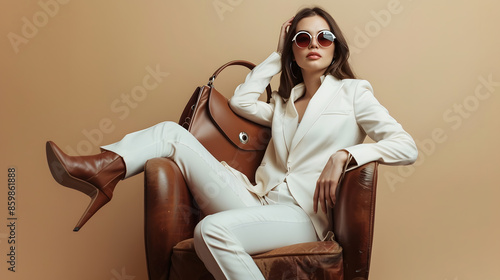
(95, 176)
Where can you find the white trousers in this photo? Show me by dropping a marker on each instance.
(238, 223)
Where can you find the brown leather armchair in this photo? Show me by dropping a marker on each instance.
(171, 215)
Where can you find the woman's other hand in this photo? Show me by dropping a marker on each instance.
(328, 181)
(284, 31)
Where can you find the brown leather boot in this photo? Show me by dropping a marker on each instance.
(96, 176)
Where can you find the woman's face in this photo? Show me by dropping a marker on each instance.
(313, 58)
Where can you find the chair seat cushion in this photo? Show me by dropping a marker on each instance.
(313, 260)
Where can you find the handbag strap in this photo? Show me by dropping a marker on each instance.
(245, 63)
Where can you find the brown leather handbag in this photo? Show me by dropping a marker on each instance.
(239, 142)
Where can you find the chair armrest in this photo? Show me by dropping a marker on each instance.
(170, 214)
(353, 219)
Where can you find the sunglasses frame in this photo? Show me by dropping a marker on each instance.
(311, 38)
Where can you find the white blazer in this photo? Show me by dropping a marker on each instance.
(339, 116)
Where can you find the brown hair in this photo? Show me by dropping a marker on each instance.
(290, 72)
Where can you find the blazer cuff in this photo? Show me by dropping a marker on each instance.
(360, 156)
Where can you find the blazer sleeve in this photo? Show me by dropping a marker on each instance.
(245, 101)
(394, 146)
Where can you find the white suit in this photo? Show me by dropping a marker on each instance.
(339, 116)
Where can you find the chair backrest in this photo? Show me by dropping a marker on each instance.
(353, 219)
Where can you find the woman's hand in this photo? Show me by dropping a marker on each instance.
(328, 181)
(284, 31)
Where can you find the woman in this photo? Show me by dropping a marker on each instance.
(319, 119)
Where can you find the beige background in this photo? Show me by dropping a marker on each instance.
(68, 67)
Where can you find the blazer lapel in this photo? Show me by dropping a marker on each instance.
(291, 118)
(328, 90)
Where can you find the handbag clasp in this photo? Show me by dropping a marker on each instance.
(243, 137)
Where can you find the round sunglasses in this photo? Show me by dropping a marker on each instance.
(303, 39)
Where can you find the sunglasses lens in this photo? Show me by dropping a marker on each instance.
(325, 39)
(302, 40)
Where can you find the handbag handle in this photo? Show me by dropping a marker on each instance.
(245, 63)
